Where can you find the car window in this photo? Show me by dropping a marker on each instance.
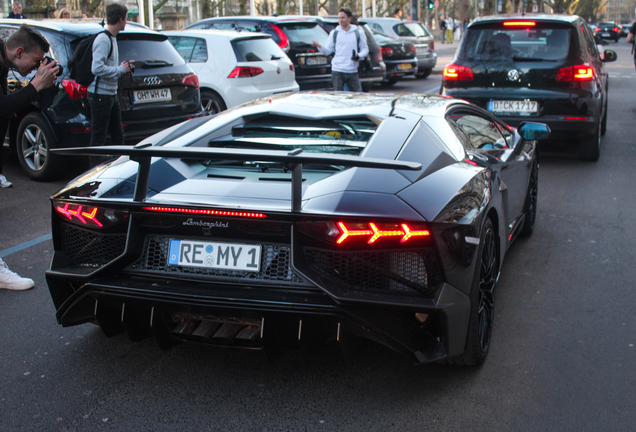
(183, 45)
(590, 43)
(483, 133)
(376, 26)
(5, 32)
(222, 26)
(254, 50)
(200, 52)
(485, 43)
(409, 29)
(304, 34)
(199, 26)
(507, 134)
(148, 50)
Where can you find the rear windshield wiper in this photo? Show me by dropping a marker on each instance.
(147, 64)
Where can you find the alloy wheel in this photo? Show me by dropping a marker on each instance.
(487, 281)
(34, 147)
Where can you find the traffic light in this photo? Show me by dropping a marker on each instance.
(430, 4)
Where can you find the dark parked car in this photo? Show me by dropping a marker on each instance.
(608, 30)
(293, 35)
(399, 57)
(300, 220)
(372, 69)
(165, 88)
(544, 68)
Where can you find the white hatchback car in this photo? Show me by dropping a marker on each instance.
(233, 66)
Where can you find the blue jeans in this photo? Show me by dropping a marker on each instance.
(105, 119)
(339, 79)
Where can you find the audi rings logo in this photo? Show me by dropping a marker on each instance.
(153, 80)
(513, 75)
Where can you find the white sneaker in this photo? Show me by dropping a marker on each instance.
(4, 182)
(11, 280)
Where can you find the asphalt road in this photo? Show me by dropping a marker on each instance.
(563, 355)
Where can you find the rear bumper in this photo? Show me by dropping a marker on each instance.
(426, 62)
(302, 317)
(393, 68)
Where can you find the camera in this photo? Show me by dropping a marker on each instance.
(355, 56)
(46, 60)
(132, 66)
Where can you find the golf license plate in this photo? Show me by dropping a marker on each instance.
(228, 256)
(514, 107)
(405, 66)
(312, 61)
(155, 95)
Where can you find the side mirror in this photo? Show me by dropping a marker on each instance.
(609, 56)
(534, 131)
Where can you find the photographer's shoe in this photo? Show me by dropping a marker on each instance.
(4, 182)
(12, 281)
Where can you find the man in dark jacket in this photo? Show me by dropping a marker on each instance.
(16, 11)
(23, 51)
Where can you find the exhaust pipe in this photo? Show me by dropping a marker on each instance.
(226, 334)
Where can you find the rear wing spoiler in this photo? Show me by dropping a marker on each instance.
(144, 153)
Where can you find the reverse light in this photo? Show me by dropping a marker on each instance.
(284, 40)
(90, 216)
(245, 72)
(75, 90)
(519, 24)
(191, 80)
(204, 212)
(575, 73)
(454, 72)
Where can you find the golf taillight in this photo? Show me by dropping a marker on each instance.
(454, 72)
(191, 80)
(575, 73)
(365, 232)
(245, 72)
(89, 216)
(75, 90)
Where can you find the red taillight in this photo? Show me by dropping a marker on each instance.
(575, 73)
(245, 72)
(75, 91)
(374, 231)
(205, 212)
(386, 51)
(90, 216)
(284, 41)
(431, 46)
(519, 24)
(616, 29)
(454, 72)
(191, 80)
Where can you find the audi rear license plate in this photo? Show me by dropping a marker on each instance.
(155, 95)
(227, 256)
(312, 61)
(514, 107)
(404, 66)
(605, 34)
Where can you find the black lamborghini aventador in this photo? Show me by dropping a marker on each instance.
(299, 220)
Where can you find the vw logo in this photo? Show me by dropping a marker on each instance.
(513, 75)
(154, 80)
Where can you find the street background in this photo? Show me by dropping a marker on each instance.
(563, 355)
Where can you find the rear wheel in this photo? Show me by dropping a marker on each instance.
(212, 102)
(482, 301)
(424, 74)
(390, 81)
(591, 147)
(35, 139)
(367, 87)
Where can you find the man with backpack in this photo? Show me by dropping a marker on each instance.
(102, 92)
(349, 45)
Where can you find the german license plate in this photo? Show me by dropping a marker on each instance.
(228, 256)
(605, 34)
(405, 66)
(155, 95)
(311, 61)
(516, 107)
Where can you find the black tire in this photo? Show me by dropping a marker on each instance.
(482, 301)
(424, 74)
(34, 140)
(604, 121)
(212, 103)
(366, 88)
(531, 203)
(591, 147)
(390, 81)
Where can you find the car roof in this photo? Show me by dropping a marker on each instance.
(211, 33)
(530, 16)
(75, 26)
(256, 18)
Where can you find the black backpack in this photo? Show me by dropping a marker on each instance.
(79, 65)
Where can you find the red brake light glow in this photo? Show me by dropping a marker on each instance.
(191, 80)
(75, 91)
(205, 212)
(376, 231)
(454, 72)
(519, 24)
(386, 51)
(245, 72)
(575, 73)
(90, 216)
